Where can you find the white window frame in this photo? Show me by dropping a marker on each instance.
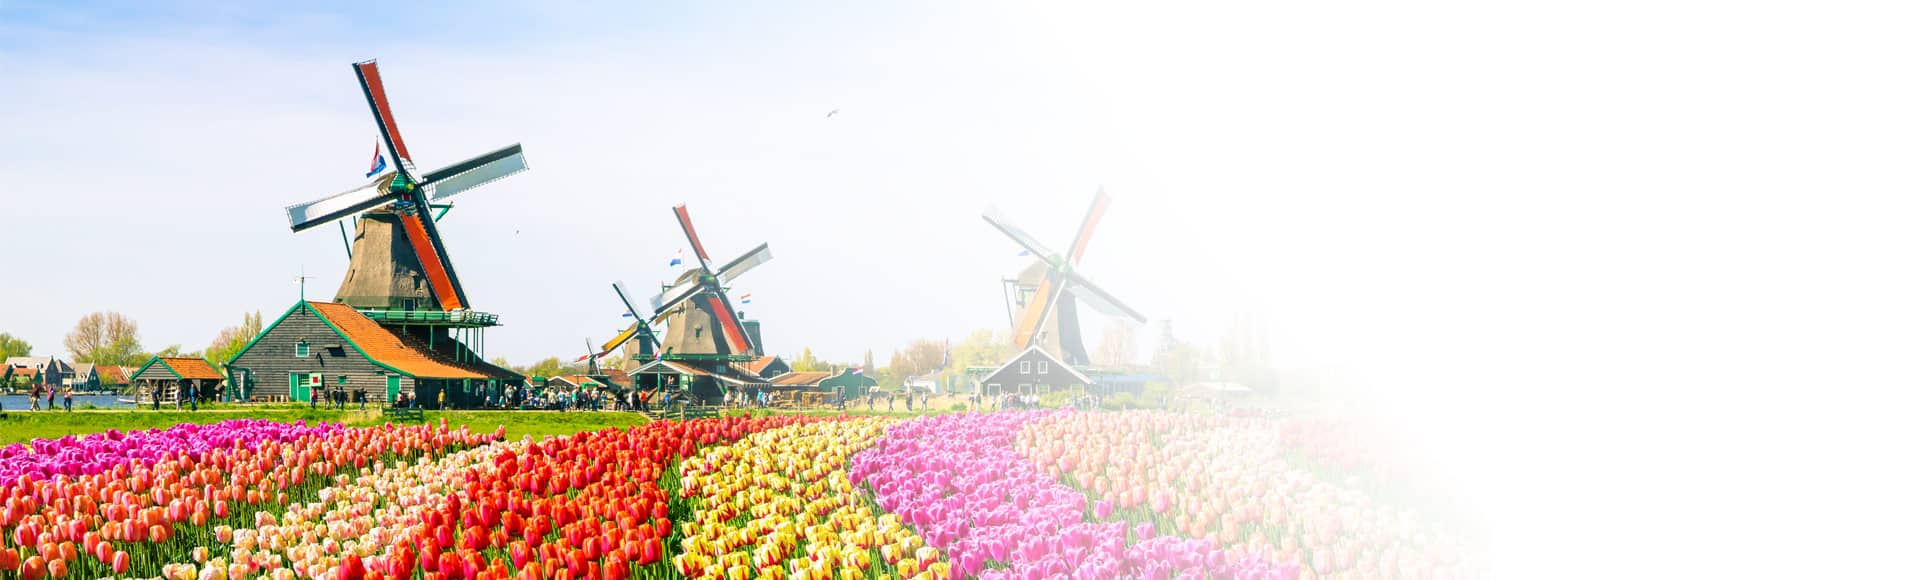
(1026, 367)
(302, 350)
(1043, 367)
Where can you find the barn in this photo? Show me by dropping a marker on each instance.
(320, 347)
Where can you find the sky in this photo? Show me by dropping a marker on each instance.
(1661, 250)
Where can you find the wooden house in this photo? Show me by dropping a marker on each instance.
(1032, 372)
(767, 367)
(169, 378)
(849, 384)
(84, 378)
(318, 347)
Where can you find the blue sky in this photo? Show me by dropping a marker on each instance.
(1633, 233)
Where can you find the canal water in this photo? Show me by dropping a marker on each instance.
(18, 403)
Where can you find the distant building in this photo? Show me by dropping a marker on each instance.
(47, 370)
(84, 377)
(112, 376)
(1032, 372)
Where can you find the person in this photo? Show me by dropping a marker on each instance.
(889, 401)
(443, 399)
(313, 399)
(361, 394)
(49, 397)
(33, 398)
(67, 398)
(193, 396)
(869, 402)
(909, 401)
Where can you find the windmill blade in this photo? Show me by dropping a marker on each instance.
(1034, 316)
(686, 226)
(622, 338)
(1100, 201)
(620, 289)
(674, 296)
(432, 254)
(745, 262)
(1019, 236)
(322, 211)
(729, 321)
(455, 179)
(376, 92)
(1100, 300)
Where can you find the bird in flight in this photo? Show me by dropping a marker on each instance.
(831, 113)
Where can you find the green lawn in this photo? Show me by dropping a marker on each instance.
(25, 426)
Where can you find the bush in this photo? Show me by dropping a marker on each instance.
(957, 407)
(1118, 401)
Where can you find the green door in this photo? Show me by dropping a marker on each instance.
(393, 388)
(297, 387)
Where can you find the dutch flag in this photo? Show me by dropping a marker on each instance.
(676, 258)
(379, 163)
(746, 298)
(859, 370)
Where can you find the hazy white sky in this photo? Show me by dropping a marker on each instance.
(1646, 258)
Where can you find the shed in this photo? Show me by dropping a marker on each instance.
(169, 378)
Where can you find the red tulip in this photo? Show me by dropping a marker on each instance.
(351, 568)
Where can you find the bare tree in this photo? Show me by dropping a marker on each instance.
(1116, 346)
(99, 332)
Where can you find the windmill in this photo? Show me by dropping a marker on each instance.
(1047, 292)
(640, 332)
(698, 315)
(409, 270)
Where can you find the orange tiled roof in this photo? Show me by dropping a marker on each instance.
(801, 378)
(192, 368)
(390, 349)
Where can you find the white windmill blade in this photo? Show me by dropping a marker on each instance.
(455, 179)
(1085, 290)
(675, 295)
(1019, 236)
(325, 210)
(745, 262)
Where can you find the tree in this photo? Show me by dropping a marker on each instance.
(547, 367)
(807, 362)
(122, 352)
(918, 358)
(12, 347)
(230, 340)
(1244, 354)
(1116, 346)
(982, 348)
(1180, 362)
(104, 333)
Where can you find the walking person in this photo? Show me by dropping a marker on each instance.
(193, 397)
(33, 398)
(67, 396)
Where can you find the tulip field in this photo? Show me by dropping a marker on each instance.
(1032, 494)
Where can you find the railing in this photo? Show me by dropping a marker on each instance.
(433, 317)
